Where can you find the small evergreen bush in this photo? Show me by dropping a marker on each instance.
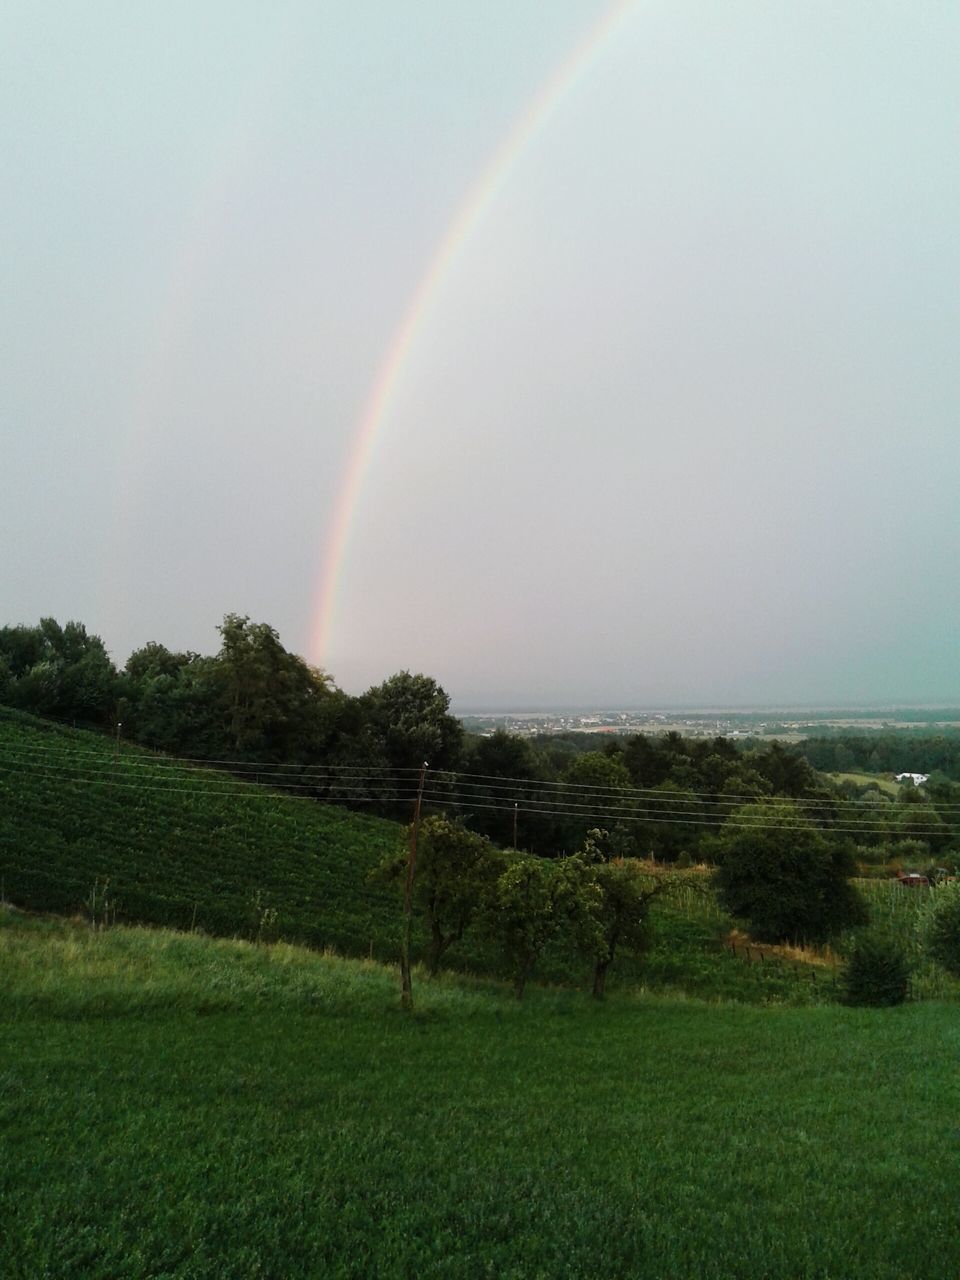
(943, 939)
(877, 972)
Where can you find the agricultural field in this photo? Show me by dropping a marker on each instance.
(190, 1107)
(152, 841)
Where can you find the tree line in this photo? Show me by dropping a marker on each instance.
(253, 701)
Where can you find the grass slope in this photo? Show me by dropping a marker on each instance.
(157, 843)
(184, 847)
(183, 1107)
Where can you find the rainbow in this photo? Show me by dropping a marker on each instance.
(471, 212)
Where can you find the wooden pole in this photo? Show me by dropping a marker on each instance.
(515, 809)
(406, 988)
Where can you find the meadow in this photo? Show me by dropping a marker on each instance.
(181, 1106)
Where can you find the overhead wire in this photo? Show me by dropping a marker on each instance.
(514, 785)
(107, 777)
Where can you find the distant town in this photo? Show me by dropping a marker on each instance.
(786, 725)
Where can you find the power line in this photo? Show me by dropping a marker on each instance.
(491, 782)
(532, 799)
(447, 799)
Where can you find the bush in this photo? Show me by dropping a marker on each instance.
(783, 877)
(877, 973)
(943, 938)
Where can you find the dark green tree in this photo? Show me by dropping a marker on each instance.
(536, 899)
(455, 871)
(274, 704)
(410, 716)
(784, 877)
(59, 671)
(621, 910)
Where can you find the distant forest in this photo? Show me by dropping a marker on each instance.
(254, 703)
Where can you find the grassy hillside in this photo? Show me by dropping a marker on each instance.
(185, 1107)
(148, 840)
(181, 846)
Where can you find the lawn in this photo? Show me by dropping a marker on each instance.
(186, 1107)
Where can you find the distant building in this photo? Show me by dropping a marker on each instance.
(915, 778)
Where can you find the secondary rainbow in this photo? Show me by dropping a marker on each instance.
(471, 212)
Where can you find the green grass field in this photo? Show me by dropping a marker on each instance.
(884, 781)
(186, 1107)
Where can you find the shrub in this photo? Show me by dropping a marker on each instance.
(784, 877)
(943, 938)
(877, 972)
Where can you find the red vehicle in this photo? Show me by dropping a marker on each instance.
(912, 879)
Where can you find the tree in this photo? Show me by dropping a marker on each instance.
(489, 805)
(784, 877)
(877, 972)
(273, 703)
(621, 911)
(673, 816)
(599, 788)
(58, 671)
(409, 714)
(454, 872)
(531, 902)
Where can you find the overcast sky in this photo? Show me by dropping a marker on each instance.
(678, 425)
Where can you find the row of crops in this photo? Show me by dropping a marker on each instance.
(129, 837)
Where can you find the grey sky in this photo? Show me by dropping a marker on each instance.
(681, 424)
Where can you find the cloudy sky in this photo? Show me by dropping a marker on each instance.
(572, 352)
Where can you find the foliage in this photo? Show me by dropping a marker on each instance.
(532, 901)
(876, 972)
(944, 928)
(59, 671)
(273, 704)
(455, 870)
(784, 877)
(623, 913)
(409, 717)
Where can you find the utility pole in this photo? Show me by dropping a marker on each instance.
(406, 989)
(116, 745)
(516, 806)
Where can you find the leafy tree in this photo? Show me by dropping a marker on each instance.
(782, 875)
(532, 901)
(176, 706)
(58, 671)
(646, 763)
(786, 770)
(273, 703)
(599, 788)
(621, 911)
(409, 715)
(489, 806)
(673, 814)
(455, 871)
(155, 660)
